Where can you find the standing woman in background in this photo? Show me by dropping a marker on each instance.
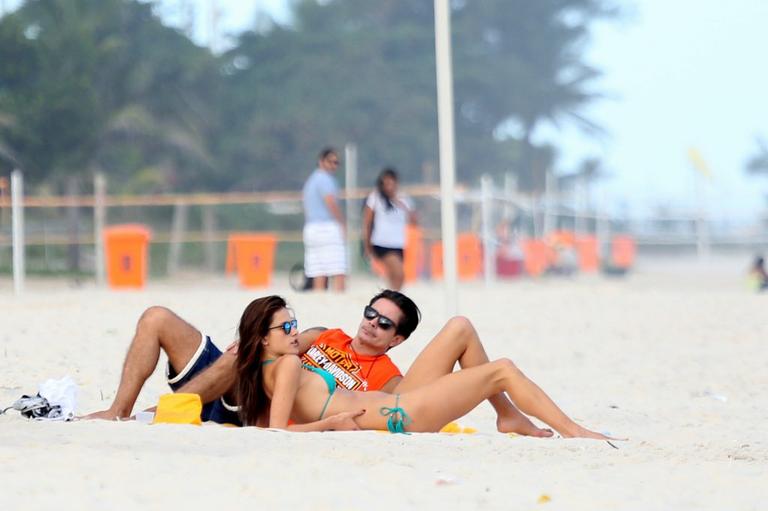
(385, 216)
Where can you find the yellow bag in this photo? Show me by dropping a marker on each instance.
(179, 409)
(455, 427)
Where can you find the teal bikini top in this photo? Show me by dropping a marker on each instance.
(330, 381)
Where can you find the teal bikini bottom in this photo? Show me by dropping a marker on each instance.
(397, 419)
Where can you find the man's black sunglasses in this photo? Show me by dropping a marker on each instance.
(384, 322)
(287, 326)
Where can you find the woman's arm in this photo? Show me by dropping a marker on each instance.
(286, 377)
(410, 210)
(412, 218)
(367, 229)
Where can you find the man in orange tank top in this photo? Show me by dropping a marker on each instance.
(360, 363)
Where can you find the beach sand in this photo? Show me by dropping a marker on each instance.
(674, 357)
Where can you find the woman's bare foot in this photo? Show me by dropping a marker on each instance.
(521, 425)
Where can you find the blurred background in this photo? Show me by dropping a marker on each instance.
(644, 119)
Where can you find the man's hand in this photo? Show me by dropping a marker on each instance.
(105, 415)
(344, 421)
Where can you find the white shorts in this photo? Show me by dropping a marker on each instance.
(325, 253)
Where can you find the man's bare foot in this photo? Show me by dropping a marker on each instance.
(522, 426)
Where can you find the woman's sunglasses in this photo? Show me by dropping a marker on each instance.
(287, 326)
(384, 322)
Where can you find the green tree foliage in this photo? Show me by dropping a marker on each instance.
(90, 84)
(364, 71)
(104, 83)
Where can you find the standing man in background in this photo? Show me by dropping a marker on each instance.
(325, 252)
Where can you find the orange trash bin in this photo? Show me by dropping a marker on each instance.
(623, 251)
(413, 255)
(536, 255)
(589, 254)
(469, 255)
(126, 253)
(253, 256)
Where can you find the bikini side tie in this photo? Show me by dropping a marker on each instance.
(397, 419)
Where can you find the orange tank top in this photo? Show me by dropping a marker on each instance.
(332, 352)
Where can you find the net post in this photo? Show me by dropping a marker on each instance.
(99, 222)
(17, 227)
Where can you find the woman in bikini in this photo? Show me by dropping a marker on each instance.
(273, 383)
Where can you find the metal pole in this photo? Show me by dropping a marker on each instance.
(17, 226)
(447, 151)
(489, 245)
(550, 218)
(603, 229)
(178, 228)
(510, 196)
(209, 228)
(580, 222)
(702, 229)
(350, 169)
(99, 222)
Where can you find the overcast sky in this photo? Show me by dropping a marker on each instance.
(680, 74)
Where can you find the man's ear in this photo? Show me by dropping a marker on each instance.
(396, 340)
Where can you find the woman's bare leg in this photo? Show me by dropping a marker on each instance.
(458, 342)
(393, 266)
(455, 394)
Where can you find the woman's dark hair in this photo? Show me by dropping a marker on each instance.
(411, 313)
(386, 173)
(254, 326)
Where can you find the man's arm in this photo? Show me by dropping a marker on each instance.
(333, 207)
(308, 337)
(215, 380)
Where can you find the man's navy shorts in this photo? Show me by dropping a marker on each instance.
(217, 410)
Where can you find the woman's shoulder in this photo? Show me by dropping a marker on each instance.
(287, 360)
(372, 200)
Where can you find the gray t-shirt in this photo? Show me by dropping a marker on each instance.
(319, 185)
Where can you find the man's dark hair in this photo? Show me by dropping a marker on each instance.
(326, 152)
(411, 313)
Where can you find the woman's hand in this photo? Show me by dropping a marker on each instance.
(368, 250)
(344, 421)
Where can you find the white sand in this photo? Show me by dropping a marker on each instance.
(674, 358)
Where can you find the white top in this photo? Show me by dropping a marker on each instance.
(389, 224)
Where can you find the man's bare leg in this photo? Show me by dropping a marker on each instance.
(158, 328)
(458, 342)
(319, 283)
(339, 283)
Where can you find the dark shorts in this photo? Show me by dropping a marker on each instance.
(380, 252)
(207, 354)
